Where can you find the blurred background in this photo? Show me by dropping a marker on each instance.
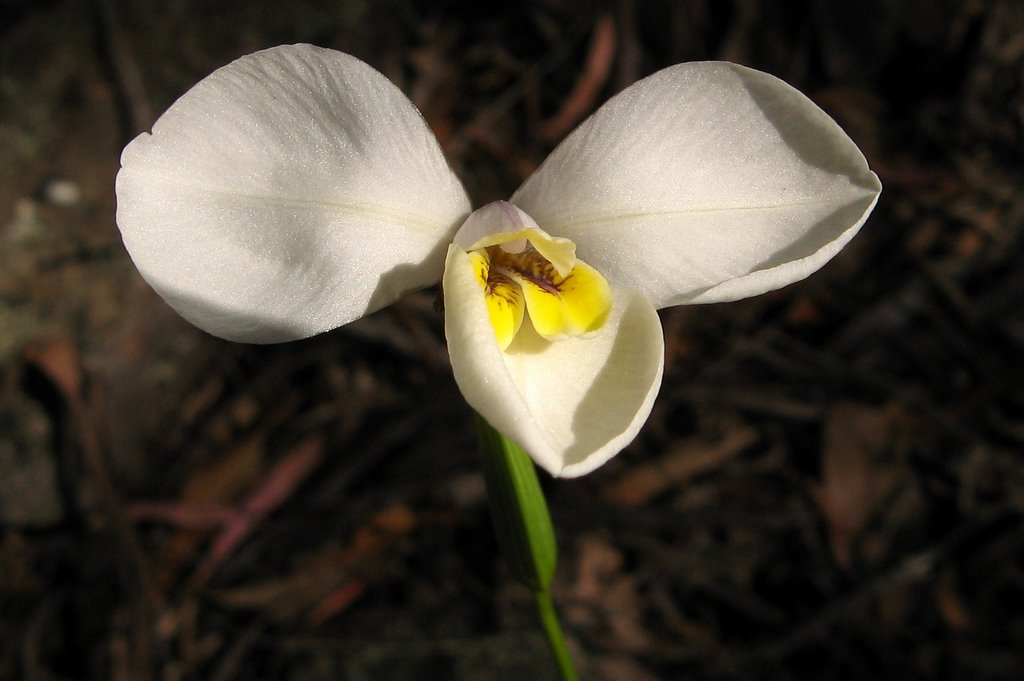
(830, 485)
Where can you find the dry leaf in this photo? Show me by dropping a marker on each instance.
(328, 581)
(855, 473)
(275, 488)
(216, 485)
(603, 593)
(58, 359)
(689, 459)
(950, 605)
(622, 668)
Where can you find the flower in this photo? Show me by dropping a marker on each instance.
(297, 189)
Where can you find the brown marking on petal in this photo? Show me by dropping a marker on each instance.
(527, 264)
(497, 278)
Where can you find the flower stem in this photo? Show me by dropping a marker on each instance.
(523, 527)
(553, 630)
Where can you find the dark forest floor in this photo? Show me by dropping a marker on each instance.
(831, 485)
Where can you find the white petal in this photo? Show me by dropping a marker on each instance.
(704, 182)
(571, 404)
(494, 218)
(290, 192)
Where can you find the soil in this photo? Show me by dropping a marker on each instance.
(830, 486)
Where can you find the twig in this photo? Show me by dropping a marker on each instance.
(595, 74)
(276, 488)
(59, 362)
(914, 569)
(516, 91)
(126, 68)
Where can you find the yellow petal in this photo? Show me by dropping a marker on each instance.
(558, 251)
(568, 306)
(504, 298)
(586, 298)
(481, 266)
(506, 310)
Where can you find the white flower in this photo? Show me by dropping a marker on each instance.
(297, 189)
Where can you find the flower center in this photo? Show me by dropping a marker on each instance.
(529, 274)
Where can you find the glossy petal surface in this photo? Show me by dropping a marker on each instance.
(704, 182)
(290, 192)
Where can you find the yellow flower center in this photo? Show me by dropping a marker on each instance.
(529, 273)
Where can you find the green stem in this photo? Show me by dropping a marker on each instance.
(524, 531)
(553, 630)
(519, 511)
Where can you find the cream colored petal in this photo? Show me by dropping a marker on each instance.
(499, 222)
(571, 404)
(704, 182)
(486, 224)
(289, 192)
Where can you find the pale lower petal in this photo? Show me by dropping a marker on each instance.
(704, 182)
(290, 192)
(571, 404)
